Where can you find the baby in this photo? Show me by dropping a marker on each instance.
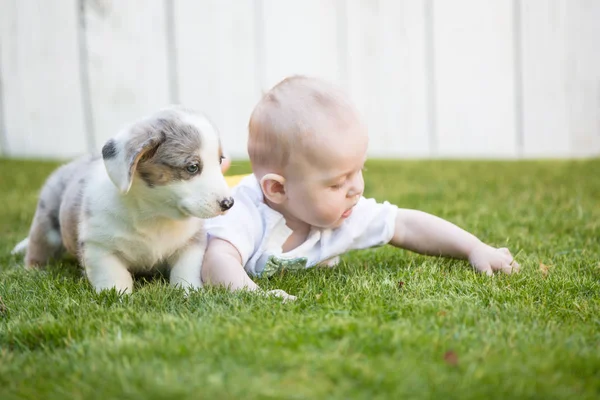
(303, 205)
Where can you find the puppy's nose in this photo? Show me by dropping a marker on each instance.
(226, 203)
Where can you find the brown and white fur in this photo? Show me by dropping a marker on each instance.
(137, 208)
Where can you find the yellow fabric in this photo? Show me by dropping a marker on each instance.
(233, 180)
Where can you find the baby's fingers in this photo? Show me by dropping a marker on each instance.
(485, 269)
(505, 251)
(282, 294)
(509, 267)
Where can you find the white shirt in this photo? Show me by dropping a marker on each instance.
(258, 232)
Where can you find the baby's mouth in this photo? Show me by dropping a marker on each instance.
(348, 212)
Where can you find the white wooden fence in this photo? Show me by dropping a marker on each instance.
(434, 78)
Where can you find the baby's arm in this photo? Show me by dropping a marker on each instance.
(427, 234)
(223, 267)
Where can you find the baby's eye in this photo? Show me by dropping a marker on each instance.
(337, 186)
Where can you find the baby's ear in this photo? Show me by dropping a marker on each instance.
(122, 153)
(273, 187)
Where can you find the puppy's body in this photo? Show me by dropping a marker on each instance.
(138, 207)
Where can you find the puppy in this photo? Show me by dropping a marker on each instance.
(137, 208)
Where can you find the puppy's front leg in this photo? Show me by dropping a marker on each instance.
(187, 266)
(105, 270)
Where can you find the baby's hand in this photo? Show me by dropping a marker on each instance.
(280, 293)
(488, 259)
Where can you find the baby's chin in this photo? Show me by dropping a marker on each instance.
(337, 223)
(330, 224)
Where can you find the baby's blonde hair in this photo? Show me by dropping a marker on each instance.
(295, 115)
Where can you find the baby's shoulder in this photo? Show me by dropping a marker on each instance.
(246, 209)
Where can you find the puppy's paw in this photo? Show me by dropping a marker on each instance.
(123, 291)
(121, 287)
(187, 286)
(189, 289)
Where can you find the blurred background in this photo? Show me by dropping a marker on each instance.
(433, 78)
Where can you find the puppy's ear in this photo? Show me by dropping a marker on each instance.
(122, 153)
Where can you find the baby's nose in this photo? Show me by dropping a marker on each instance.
(356, 190)
(357, 187)
(353, 193)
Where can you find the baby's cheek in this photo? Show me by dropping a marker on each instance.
(329, 208)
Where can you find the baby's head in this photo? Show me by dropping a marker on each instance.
(307, 146)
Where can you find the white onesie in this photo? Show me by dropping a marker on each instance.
(258, 232)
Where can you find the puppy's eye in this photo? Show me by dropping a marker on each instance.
(221, 158)
(192, 168)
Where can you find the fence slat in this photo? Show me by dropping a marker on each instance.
(127, 50)
(300, 37)
(544, 50)
(583, 76)
(474, 78)
(217, 65)
(39, 68)
(387, 74)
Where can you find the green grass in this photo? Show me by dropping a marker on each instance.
(385, 324)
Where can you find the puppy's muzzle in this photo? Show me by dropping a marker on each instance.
(226, 203)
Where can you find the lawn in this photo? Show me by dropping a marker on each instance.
(385, 324)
